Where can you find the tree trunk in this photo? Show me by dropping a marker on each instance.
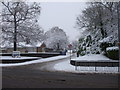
(15, 34)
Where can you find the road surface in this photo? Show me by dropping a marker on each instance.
(31, 76)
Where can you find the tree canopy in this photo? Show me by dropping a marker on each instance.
(56, 39)
(99, 22)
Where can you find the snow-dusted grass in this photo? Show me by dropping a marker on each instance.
(93, 57)
(67, 67)
(34, 61)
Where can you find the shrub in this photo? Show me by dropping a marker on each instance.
(112, 53)
(104, 45)
(81, 52)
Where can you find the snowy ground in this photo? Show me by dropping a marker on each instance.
(93, 57)
(67, 67)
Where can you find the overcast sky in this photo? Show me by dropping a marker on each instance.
(61, 14)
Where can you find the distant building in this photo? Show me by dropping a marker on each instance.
(41, 48)
(25, 48)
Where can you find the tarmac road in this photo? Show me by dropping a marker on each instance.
(30, 76)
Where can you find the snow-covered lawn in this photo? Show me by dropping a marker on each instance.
(34, 61)
(67, 67)
(93, 57)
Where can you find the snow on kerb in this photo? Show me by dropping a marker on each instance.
(35, 61)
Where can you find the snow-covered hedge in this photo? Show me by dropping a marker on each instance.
(113, 52)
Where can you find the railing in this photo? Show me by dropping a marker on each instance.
(100, 63)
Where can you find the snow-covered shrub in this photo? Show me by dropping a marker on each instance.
(81, 46)
(104, 45)
(113, 53)
(81, 52)
(85, 45)
(106, 42)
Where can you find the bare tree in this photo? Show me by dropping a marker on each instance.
(19, 20)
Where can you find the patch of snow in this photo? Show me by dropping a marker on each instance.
(112, 48)
(107, 39)
(39, 44)
(93, 57)
(32, 52)
(6, 45)
(23, 44)
(69, 51)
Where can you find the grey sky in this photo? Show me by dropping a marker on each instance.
(61, 14)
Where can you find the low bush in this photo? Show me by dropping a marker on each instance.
(112, 53)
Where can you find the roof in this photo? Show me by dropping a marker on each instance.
(20, 44)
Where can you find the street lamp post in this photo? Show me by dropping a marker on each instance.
(118, 12)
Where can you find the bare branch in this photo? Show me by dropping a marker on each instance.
(7, 6)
